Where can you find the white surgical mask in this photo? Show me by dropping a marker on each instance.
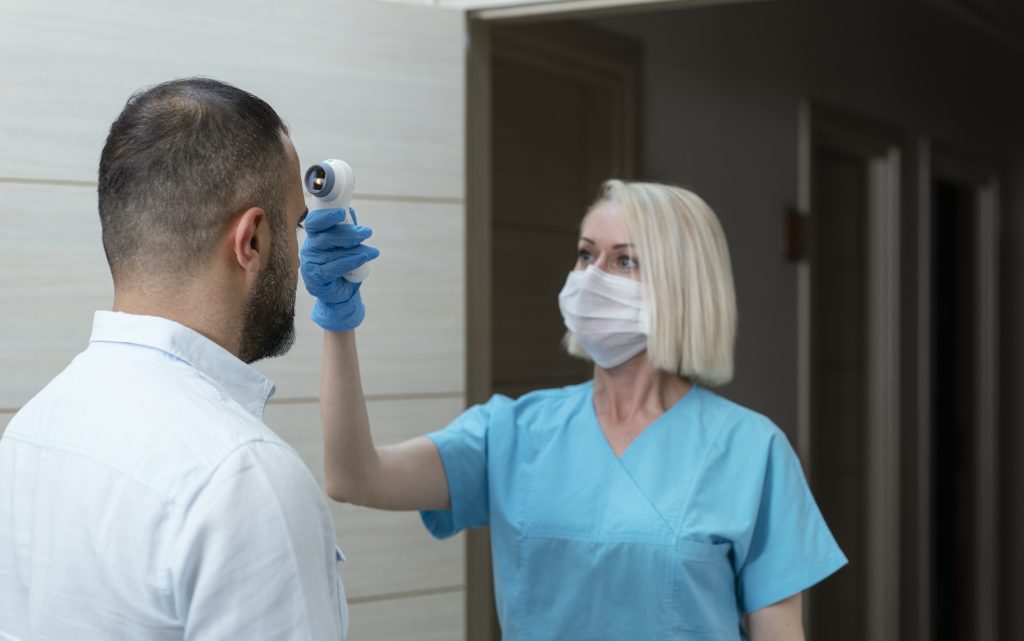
(606, 313)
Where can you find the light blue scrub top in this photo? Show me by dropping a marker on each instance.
(705, 516)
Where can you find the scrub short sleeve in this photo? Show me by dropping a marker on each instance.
(463, 449)
(791, 547)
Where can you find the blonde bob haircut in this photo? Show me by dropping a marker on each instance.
(687, 278)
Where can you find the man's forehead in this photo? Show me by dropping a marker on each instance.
(289, 149)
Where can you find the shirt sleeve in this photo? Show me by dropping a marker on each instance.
(463, 449)
(790, 547)
(255, 556)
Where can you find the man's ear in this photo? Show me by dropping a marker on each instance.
(250, 239)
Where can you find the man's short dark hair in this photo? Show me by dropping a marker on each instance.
(181, 160)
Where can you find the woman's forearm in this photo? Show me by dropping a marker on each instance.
(351, 462)
(404, 476)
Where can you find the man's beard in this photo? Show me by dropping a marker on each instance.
(269, 328)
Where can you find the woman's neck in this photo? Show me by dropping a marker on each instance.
(635, 388)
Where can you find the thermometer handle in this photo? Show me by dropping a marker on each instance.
(331, 184)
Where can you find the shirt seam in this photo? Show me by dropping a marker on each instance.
(296, 567)
(46, 443)
(193, 490)
(702, 467)
(622, 537)
(266, 385)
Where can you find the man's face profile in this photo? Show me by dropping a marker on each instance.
(269, 324)
(269, 327)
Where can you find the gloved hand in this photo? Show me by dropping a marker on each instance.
(331, 251)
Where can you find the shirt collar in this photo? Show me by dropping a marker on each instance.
(238, 380)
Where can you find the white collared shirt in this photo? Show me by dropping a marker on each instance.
(142, 497)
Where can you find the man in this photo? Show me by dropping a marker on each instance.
(141, 495)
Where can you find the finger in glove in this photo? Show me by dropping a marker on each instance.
(335, 292)
(320, 219)
(338, 236)
(326, 266)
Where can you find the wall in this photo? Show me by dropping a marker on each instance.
(378, 84)
(723, 88)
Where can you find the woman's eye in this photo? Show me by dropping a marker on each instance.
(584, 256)
(627, 263)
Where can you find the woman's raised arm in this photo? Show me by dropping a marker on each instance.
(405, 476)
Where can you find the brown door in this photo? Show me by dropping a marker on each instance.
(560, 102)
(561, 126)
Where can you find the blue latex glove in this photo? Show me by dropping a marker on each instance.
(331, 251)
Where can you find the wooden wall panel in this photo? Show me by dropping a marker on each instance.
(380, 85)
(54, 276)
(377, 84)
(388, 552)
(432, 617)
(413, 339)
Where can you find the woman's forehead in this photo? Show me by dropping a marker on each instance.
(605, 223)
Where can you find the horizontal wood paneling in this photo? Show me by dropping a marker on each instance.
(388, 552)
(54, 275)
(413, 338)
(435, 617)
(378, 84)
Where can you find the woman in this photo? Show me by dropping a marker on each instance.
(638, 505)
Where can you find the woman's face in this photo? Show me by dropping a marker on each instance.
(605, 244)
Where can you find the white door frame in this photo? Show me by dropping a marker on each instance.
(508, 11)
(881, 148)
(937, 161)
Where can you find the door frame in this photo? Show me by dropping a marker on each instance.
(882, 148)
(519, 11)
(940, 161)
(555, 45)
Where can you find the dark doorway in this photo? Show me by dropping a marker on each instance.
(839, 366)
(563, 104)
(954, 409)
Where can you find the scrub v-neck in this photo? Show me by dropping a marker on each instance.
(653, 426)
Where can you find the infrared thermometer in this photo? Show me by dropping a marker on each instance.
(331, 184)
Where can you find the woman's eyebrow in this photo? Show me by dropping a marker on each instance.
(618, 246)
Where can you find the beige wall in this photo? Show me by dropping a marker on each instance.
(378, 84)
